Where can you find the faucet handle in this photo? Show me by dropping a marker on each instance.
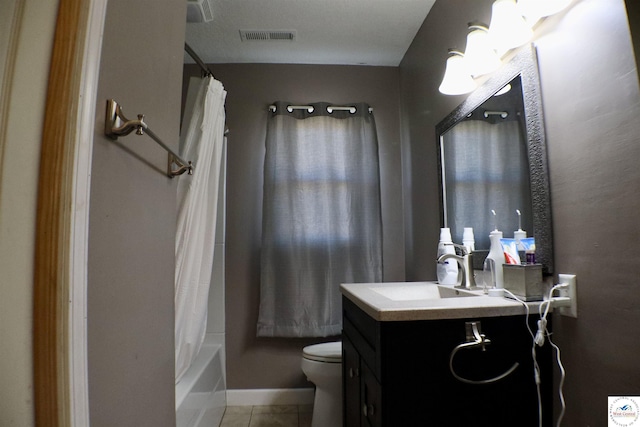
(463, 249)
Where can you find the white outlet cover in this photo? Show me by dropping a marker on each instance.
(571, 292)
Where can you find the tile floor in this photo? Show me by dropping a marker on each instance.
(267, 416)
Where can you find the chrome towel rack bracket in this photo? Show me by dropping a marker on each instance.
(116, 124)
(476, 339)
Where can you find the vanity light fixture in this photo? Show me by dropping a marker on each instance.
(536, 9)
(504, 90)
(480, 55)
(457, 79)
(508, 29)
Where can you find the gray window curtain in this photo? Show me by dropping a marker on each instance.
(486, 167)
(321, 217)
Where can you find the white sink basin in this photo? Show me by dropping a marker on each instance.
(420, 292)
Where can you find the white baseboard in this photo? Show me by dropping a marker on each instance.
(270, 396)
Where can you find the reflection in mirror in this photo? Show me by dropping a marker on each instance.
(493, 157)
(485, 168)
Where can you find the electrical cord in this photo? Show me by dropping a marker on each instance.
(561, 384)
(540, 339)
(542, 334)
(542, 323)
(536, 367)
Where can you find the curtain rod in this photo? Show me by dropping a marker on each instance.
(502, 114)
(205, 70)
(310, 108)
(196, 58)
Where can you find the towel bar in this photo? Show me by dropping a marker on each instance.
(116, 124)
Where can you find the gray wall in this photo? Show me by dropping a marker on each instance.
(591, 102)
(422, 107)
(133, 220)
(267, 362)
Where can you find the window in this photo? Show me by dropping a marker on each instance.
(321, 217)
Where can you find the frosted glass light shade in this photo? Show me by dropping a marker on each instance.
(508, 29)
(480, 55)
(504, 90)
(541, 8)
(457, 79)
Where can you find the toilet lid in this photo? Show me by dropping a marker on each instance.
(328, 352)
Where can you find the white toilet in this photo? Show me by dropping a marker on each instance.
(322, 364)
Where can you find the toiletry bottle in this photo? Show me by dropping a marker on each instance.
(530, 255)
(518, 235)
(447, 271)
(468, 239)
(493, 264)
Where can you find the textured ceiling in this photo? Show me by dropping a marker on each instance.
(345, 32)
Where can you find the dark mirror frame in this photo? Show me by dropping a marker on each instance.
(525, 65)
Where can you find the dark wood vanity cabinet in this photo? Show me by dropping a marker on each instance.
(396, 374)
(362, 391)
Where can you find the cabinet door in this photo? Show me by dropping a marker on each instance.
(351, 383)
(371, 396)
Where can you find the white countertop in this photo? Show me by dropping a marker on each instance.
(385, 309)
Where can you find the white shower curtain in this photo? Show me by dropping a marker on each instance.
(202, 143)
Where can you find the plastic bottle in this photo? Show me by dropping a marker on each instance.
(446, 271)
(493, 275)
(468, 239)
(520, 234)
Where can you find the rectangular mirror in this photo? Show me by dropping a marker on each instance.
(492, 156)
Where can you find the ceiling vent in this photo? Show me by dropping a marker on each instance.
(267, 35)
(199, 10)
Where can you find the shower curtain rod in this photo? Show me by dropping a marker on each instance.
(199, 61)
(205, 70)
(310, 108)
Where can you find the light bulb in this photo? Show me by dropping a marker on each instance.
(508, 29)
(540, 8)
(457, 79)
(480, 55)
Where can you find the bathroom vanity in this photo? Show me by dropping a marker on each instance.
(398, 339)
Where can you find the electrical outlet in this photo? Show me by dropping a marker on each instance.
(569, 292)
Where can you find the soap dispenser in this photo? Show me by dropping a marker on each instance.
(447, 271)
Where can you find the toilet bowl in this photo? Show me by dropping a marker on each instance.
(322, 364)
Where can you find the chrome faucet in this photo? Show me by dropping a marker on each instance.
(466, 279)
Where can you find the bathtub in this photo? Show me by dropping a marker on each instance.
(201, 392)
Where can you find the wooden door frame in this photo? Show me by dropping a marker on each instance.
(60, 266)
